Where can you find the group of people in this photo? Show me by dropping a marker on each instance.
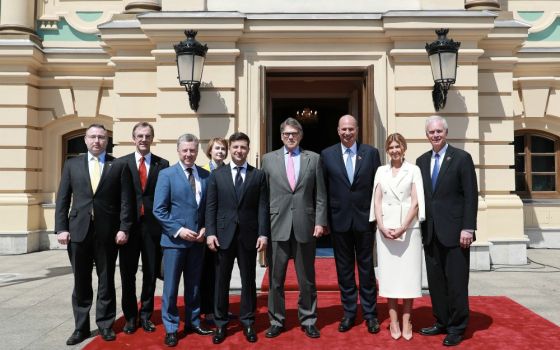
(197, 221)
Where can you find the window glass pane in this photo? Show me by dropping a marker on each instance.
(544, 183)
(520, 164)
(541, 145)
(543, 163)
(520, 183)
(519, 144)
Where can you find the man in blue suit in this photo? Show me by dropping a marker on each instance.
(349, 168)
(179, 206)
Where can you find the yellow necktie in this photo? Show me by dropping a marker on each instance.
(95, 174)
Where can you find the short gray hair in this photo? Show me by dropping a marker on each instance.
(293, 123)
(435, 118)
(187, 138)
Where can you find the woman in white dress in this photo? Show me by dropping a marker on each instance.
(398, 207)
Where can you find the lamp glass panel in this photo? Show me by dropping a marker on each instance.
(197, 68)
(436, 69)
(448, 65)
(184, 65)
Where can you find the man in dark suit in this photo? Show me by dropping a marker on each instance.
(349, 169)
(298, 215)
(451, 194)
(98, 188)
(145, 232)
(179, 204)
(237, 226)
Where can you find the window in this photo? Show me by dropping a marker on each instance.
(73, 144)
(536, 164)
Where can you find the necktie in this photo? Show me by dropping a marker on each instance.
(349, 166)
(291, 172)
(95, 174)
(238, 181)
(191, 180)
(143, 173)
(435, 171)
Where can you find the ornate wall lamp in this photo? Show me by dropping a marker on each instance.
(190, 63)
(443, 59)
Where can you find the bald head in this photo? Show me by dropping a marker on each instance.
(347, 130)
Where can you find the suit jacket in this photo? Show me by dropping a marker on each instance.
(349, 204)
(109, 206)
(225, 213)
(397, 196)
(453, 205)
(175, 204)
(302, 208)
(146, 197)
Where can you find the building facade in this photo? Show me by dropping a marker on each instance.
(67, 64)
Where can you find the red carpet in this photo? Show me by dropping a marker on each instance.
(325, 276)
(496, 323)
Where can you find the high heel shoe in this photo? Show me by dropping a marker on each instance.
(395, 330)
(407, 331)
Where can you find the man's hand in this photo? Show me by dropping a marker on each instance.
(201, 235)
(188, 235)
(466, 239)
(319, 231)
(212, 243)
(121, 238)
(261, 243)
(63, 237)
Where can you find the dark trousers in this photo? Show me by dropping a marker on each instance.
(351, 248)
(208, 282)
(247, 263)
(82, 256)
(448, 280)
(304, 262)
(142, 242)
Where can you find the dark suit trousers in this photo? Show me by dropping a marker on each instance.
(247, 263)
(143, 241)
(82, 256)
(351, 248)
(304, 259)
(448, 280)
(208, 282)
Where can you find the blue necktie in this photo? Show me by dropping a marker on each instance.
(349, 167)
(435, 171)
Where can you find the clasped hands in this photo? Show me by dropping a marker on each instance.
(192, 236)
(392, 233)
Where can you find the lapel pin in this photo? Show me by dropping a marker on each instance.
(359, 157)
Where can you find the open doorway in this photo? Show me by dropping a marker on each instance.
(317, 100)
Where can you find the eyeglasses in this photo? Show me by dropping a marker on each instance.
(288, 134)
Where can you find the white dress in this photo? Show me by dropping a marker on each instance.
(399, 261)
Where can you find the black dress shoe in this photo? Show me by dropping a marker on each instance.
(130, 326)
(274, 331)
(311, 331)
(148, 326)
(346, 324)
(77, 337)
(372, 325)
(433, 330)
(171, 339)
(250, 334)
(219, 335)
(199, 330)
(452, 339)
(107, 334)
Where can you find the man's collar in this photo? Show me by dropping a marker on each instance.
(353, 148)
(295, 152)
(441, 151)
(147, 157)
(233, 165)
(101, 156)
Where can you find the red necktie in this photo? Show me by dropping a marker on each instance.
(143, 179)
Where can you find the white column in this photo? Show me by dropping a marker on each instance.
(17, 15)
(482, 5)
(137, 6)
